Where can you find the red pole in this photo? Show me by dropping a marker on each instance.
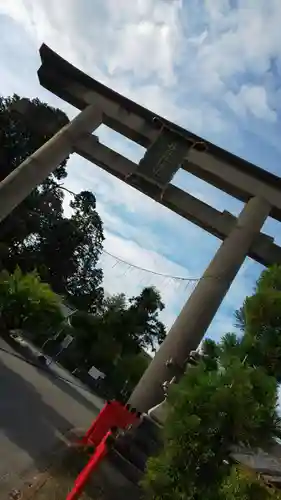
(101, 415)
(83, 477)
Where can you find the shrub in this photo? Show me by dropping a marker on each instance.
(28, 304)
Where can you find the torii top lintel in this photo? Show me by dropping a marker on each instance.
(218, 167)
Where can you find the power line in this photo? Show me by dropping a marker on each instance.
(179, 278)
(119, 259)
(129, 264)
(135, 266)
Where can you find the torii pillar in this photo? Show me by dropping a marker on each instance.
(201, 307)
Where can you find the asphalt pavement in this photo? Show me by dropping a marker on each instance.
(36, 408)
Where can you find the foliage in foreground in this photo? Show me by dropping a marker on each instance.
(231, 401)
(210, 411)
(28, 304)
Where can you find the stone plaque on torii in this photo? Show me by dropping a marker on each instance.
(168, 148)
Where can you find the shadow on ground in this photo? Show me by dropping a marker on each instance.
(72, 389)
(27, 422)
(61, 479)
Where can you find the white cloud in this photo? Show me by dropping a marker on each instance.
(146, 37)
(134, 56)
(236, 39)
(196, 56)
(251, 99)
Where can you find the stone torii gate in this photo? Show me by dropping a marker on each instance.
(168, 148)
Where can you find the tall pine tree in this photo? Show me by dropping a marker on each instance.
(220, 405)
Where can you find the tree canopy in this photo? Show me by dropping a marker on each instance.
(218, 406)
(115, 337)
(37, 234)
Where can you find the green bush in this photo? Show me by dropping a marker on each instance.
(231, 401)
(209, 412)
(28, 304)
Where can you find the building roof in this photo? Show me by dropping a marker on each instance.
(267, 465)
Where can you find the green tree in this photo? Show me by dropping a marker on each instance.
(67, 254)
(210, 411)
(269, 282)
(262, 333)
(36, 235)
(231, 402)
(28, 304)
(127, 373)
(240, 319)
(134, 323)
(19, 139)
(94, 342)
(114, 303)
(113, 337)
(143, 318)
(84, 284)
(115, 327)
(125, 326)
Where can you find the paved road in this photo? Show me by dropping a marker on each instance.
(35, 410)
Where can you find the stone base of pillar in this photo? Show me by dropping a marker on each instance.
(132, 450)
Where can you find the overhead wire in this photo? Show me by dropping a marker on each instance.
(140, 268)
(183, 279)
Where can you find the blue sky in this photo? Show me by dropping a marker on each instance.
(213, 66)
